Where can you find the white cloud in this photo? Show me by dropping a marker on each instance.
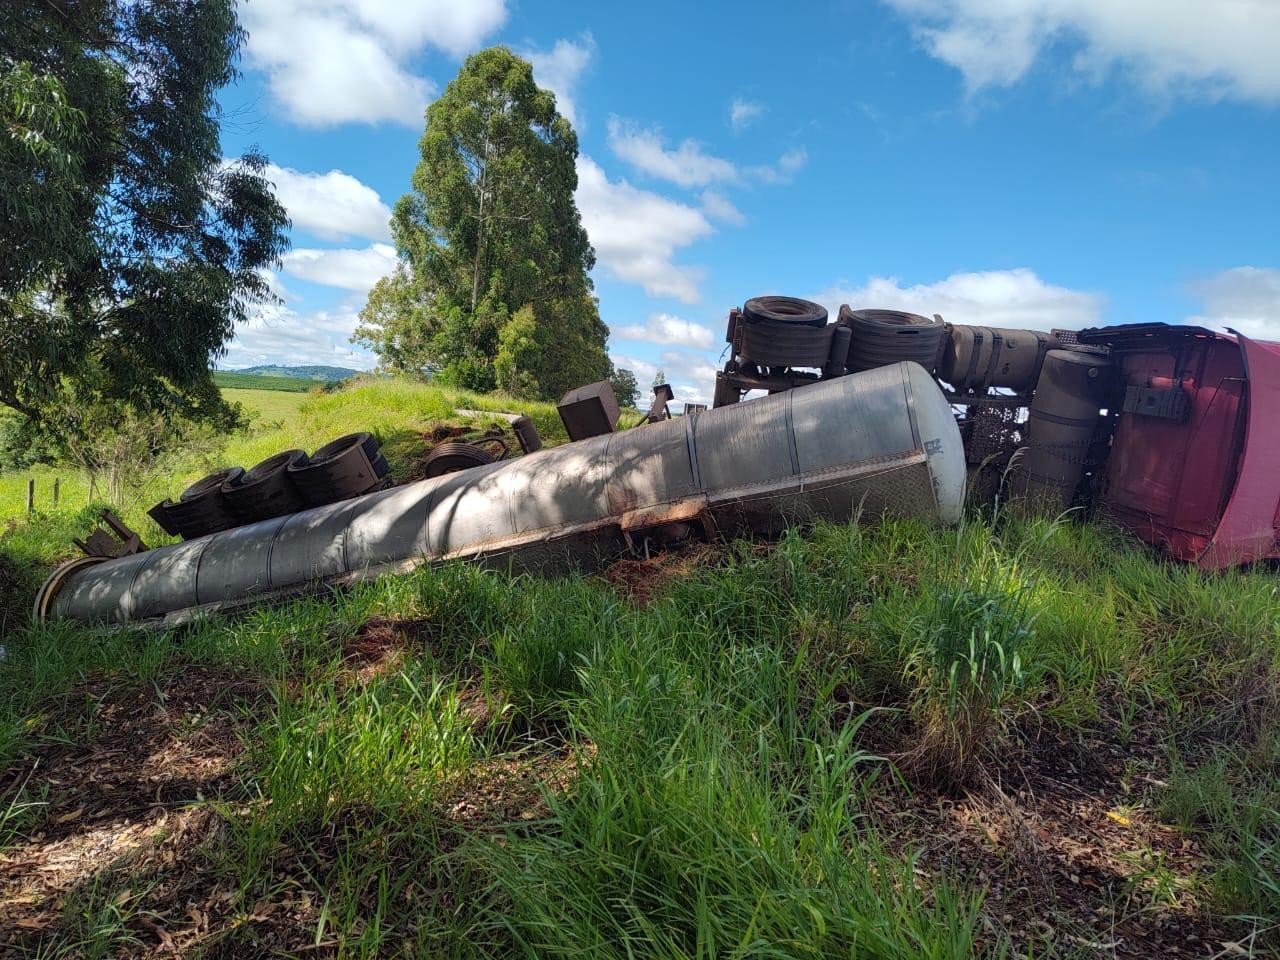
(636, 233)
(719, 207)
(691, 393)
(742, 113)
(692, 376)
(287, 337)
(356, 270)
(793, 160)
(688, 165)
(333, 205)
(341, 61)
(666, 328)
(1242, 298)
(643, 369)
(1203, 48)
(788, 165)
(694, 367)
(559, 70)
(997, 298)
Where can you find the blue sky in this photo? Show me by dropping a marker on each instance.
(1017, 162)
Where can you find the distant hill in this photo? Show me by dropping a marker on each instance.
(329, 374)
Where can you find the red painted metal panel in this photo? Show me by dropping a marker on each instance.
(1247, 530)
(1168, 481)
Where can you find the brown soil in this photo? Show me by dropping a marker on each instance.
(642, 581)
(380, 645)
(1065, 841)
(127, 800)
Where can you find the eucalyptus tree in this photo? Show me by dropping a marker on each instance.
(495, 290)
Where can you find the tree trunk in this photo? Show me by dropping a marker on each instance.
(475, 273)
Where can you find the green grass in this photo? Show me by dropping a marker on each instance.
(266, 406)
(396, 410)
(231, 379)
(792, 751)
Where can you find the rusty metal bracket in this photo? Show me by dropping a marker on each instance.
(100, 543)
(662, 395)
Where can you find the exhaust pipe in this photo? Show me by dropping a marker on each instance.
(875, 443)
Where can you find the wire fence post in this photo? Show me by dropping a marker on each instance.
(57, 482)
(31, 495)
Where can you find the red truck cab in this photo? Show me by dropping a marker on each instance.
(1194, 464)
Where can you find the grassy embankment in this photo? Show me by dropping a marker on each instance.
(263, 406)
(1016, 738)
(397, 411)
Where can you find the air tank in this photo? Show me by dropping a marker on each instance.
(880, 442)
(975, 358)
(1064, 414)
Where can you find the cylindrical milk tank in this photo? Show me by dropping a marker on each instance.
(975, 358)
(1064, 415)
(879, 442)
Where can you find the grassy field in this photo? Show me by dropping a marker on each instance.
(234, 380)
(1011, 738)
(397, 411)
(267, 406)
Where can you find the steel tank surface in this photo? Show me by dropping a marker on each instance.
(975, 358)
(1064, 415)
(880, 442)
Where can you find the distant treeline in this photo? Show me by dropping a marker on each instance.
(257, 381)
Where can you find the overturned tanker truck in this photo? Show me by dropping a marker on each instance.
(1170, 431)
(884, 441)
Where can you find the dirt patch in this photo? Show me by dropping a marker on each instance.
(509, 790)
(381, 644)
(130, 795)
(379, 648)
(444, 431)
(642, 581)
(1072, 856)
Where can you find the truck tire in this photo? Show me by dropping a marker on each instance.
(266, 490)
(883, 337)
(452, 457)
(788, 310)
(201, 509)
(774, 344)
(341, 469)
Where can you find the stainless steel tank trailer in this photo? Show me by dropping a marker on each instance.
(883, 441)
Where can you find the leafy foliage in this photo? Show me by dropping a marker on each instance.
(132, 249)
(399, 323)
(625, 387)
(493, 288)
(122, 448)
